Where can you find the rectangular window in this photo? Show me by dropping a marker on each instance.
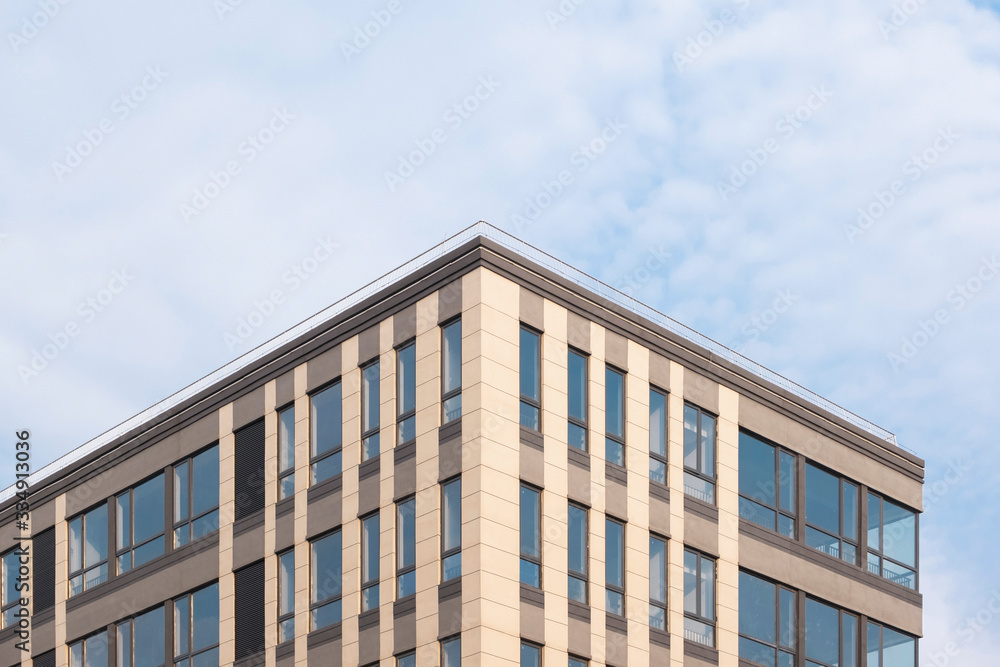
(831, 514)
(767, 485)
(286, 453)
(699, 454)
(699, 598)
(531, 373)
(407, 660)
(531, 655)
(451, 529)
(196, 628)
(406, 393)
(286, 596)
(369, 562)
(451, 652)
(141, 640)
(892, 541)
(614, 416)
(88, 550)
(196, 497)
(90, 652)
(577, 434)
(326, 432)
(767, 622)
(657, 583)
(531, 536)
(451, 371)
(576, 662)
(9, 572)
(657, 437)
(614, 566)
(578, 553)
(890, 648)
(325, 576)
(831, 636)
(139, 526)
(406, 548)
(370, 404)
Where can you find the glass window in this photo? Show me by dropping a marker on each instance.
(576, 662)
(196, 497)
(531, 392)
(699, 454)
(9, 571)
(531, 537)
(406, 548)
(326, 432)
(614, 416)
(614, 566)
(578, 553)
(451, 371)
(88, 550)
(196, 628)
(369, 562)
(531, 655)
(892, 541)
(699, 598)
(831, 636)
(657, 583)
(325, 575)
(451, 529)
(286, 453)
(890, 648)
(767, 622)
(407, 660)
(141, 640)
(286, 596)
(406, 393)
(831, 514)
(657, 437)
(577, 433)
(767, 485)
(370, 405)
(451, 652)
(139, 526)
(90, 652)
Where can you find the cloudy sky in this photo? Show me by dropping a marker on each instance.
(167, 166)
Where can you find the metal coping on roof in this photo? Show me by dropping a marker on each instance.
(508, 241)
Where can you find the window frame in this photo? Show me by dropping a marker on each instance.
(131, 547)
(713, 478)
(403, 656)
(191, 653)
(777, 647)
(405, 420)
(881, 627)
(448, 553)
(338, 449)
(841, 614)
(582, 577)
(698, 616)
(338, 597)
(371, 435)
(660, 459)
(189, 521)
(85, 567)
(537, 648)
(370, 580)
(614, 589)
(411, 569)
(286, 620)
(535, 404)
(448, 395)
(879, 552)
(662, 606)
(286, 474)
(581, 423)
(842, 483)
(450, 640)
(82, 643)
(614, 443)
(130, 622)
(779, 512)
(531, 559)
(5, 604)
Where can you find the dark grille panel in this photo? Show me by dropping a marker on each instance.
(250, 469)
(250, 610)
(47, 659)
(44, 580)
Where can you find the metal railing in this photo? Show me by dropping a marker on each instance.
(605, 292)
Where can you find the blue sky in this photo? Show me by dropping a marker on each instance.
(709, 158)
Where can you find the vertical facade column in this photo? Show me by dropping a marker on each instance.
(729, 532)
(62, 559)
(598, 484)
(227, 510)
(351, 531)
(270, 498)
(637, 530)
(555, 510)
(491, 443)
(300, 513)
(675, 478)
(387, 511)
(428, 518)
